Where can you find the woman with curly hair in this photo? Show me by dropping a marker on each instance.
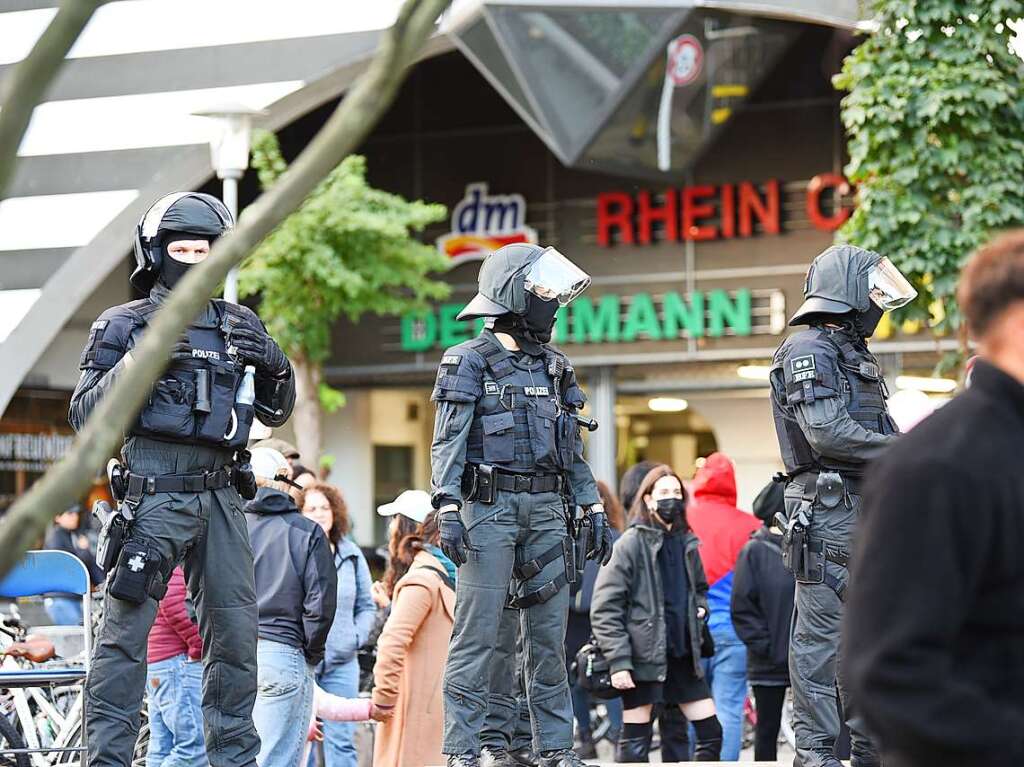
(413, 646)
(338, 674)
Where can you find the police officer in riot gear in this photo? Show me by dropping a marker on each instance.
(508, 474)
(829, 406)
(181, 463)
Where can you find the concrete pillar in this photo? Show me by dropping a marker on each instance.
(745, 432)
(601, 448)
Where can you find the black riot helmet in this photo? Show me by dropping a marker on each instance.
(521, 287)
(183, 213)
(851, 282)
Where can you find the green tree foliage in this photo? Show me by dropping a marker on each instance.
(347, 250)
(935, 120)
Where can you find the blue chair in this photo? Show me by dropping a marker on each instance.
(42, 572)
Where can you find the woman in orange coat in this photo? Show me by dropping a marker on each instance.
(413, 646)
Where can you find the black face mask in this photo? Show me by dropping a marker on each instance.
(672, 511)
(865, 322)
(539, 318)
(173, 270)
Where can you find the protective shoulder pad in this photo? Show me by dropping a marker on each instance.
(459, 375)
(810, 367)
(109, 336)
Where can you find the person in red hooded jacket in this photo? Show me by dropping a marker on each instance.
(174, 682)
(723, 531)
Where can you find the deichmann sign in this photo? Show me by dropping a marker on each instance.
(616, 319)
(710, 212)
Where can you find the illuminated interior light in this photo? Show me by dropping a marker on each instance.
(921, 383)
(668, 405)
(754, 372)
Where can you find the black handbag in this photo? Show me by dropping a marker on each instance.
(593, 672)
(707, 642)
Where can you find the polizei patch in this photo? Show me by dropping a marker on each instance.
(803, 368)
(451, 359)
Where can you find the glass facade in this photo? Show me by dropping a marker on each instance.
(633, 91)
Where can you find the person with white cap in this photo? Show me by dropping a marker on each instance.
(413, 646)
(296, 589)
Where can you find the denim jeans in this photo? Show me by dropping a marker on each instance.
(175, 690)
(581, 710)
(64, 611)
(339, 750)
(726, 673)
(284, 703)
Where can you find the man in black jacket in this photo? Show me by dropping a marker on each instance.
(296, 586)
(762, 612)
(935, 623)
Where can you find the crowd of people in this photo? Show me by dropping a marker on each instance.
(721, 600)
(318, 606)
(684, 598)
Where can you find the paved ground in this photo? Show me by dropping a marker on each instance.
(606, 755)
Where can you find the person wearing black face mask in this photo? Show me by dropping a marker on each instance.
(508, 473)
(829, 405)
(648, 615)
(185, 467)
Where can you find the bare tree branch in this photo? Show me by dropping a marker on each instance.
(354, 118)
(27, 83)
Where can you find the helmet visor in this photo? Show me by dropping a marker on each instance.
(553, 276)
(887, 286)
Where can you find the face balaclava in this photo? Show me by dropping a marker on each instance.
(671, 510)
(865, 322)
(539, 318)
(532, 329)
(171, 269)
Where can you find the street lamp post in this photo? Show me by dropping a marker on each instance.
(229, 155)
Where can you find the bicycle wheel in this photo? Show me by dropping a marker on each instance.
(11, 738)
(142, 743)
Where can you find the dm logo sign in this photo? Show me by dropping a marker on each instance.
(483, 222)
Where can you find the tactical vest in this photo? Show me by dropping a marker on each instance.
(519, 423)
(864, 392)
(194, 400)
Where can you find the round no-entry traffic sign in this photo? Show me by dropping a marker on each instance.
(685, 58)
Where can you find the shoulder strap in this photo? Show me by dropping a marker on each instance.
(440, 574)
(497, 358)
(143, 309)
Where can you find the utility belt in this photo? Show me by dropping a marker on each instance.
(129, 487)
(805, 556)
(135, 568)
(481, 481)
(809, 479)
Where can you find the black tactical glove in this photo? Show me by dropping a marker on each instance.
(257, 348)
(454, 537)
(599, 547)
(182, 349)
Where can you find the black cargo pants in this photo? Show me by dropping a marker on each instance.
(535, 523)
(814, 651)
(207, 533)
